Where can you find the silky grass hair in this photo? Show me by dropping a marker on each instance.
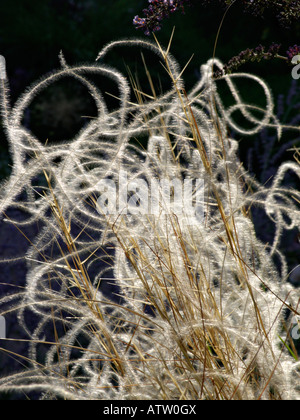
(196, 310)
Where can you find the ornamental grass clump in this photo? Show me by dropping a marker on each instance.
(198, 307)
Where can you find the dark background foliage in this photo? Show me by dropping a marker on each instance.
(32, 33)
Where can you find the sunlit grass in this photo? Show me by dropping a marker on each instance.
(197, 311)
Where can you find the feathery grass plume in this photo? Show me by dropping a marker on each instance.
(198, 306)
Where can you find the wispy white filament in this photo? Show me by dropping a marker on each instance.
(149, 346)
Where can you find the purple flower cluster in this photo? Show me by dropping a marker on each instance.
(287, 11)
(292, 51)
(257, 54)
(254, 54)
(156, 12)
